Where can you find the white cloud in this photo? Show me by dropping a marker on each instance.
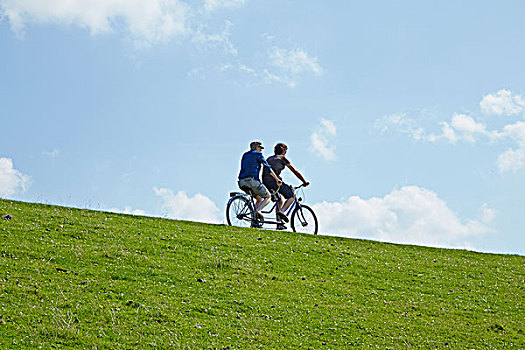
(448, 134)
(468, 127)
(463, 127)
(248, 70)
(397, 119)
(291, 65)
(146, 21)
(283, 66)
(51, 154)
(221, 39)
(467, 124)
(129, 210)
(511, 160)
(213, 5)
(294, 61)
(287, 66)
(487, 214)
(410, 215)
(321, 140)
(180, 206)
(270, 78)
(12, 181)
(503, 102)
(516, 132)
(400, 122)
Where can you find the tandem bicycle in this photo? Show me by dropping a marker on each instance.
(240, 211)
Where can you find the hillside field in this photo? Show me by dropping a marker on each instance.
(72, 278)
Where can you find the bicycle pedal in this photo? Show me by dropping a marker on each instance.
(256, 225)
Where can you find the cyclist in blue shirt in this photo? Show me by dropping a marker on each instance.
(249, 176)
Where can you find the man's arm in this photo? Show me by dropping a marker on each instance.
(298, 174)
(265, 163)
(279, 181)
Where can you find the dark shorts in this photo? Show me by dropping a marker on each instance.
(285, 190)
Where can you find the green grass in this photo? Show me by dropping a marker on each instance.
(72, 278)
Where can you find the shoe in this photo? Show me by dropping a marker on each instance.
(282, 217)
(256, 225)
(259, 216)
(281, 226)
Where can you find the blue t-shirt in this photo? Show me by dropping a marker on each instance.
(251, 164)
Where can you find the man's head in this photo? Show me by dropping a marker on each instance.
(256, 146)
(280, 148)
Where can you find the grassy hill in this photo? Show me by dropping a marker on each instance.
(72, 278)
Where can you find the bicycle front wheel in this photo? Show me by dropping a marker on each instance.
(304, 220)
(239, 212)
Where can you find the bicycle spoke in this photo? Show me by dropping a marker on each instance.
(239, 212)
(304, 220)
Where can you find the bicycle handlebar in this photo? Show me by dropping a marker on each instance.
(294, 187)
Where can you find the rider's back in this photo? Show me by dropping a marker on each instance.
(251, 164)
(278, 162)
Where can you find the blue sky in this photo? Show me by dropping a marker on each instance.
(408, 118)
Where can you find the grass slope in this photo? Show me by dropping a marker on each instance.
(73, 278)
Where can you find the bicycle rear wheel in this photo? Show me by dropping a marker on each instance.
(304, 220)
(239, 212)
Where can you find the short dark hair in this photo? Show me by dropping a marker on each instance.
(279, 148)
(255, 144)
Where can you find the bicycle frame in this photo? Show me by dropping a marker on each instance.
(300, 214)
(275, 205)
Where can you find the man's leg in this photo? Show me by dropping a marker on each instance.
(261, 203)
(287, 191)
(262, 197)
(258, 201)
(281, 215)
(287, 204)
(280, 206)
